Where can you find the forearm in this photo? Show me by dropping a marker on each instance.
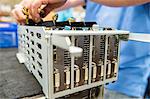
(117, 3)
(70, 3)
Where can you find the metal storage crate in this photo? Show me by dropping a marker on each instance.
(68, 61)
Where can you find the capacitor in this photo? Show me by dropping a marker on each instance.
(56, 79)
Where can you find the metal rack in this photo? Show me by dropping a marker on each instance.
(68, 61)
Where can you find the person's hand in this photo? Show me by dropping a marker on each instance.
(34, 7)
(17, 11)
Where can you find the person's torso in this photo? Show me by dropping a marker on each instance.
(135, 19)
(134, 56)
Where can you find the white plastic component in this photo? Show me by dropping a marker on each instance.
(20, 57)
(75, 51)
(65, 43)
(62, 42)
(142, 37)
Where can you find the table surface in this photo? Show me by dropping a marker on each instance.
(15, 80)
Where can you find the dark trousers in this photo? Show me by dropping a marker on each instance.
(147, 92)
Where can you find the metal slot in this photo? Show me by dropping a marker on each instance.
(39, 55)
(67, 59)
(32, 42)
(54, 54)
(33, 66)
(55, 57)
(28, 45)
(40, 74)
(40, 65)
(39, 46)
(27, 30)
(32, 34)
(28, 52)
(27, 37)
(33, 58)
(38, 35)
(24, 35)
(98, 56)
(32, 50)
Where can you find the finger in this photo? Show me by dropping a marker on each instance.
(45, 11)
(49, 8)
(20, 15)
(15, 16)
(34, 8)
(17, 13)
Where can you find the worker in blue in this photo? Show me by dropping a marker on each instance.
(131, 15)
(134, 68)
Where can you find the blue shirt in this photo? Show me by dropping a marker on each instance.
(64, 15)
(134, 68)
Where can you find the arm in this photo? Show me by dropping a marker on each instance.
(118, 3)
(35, 5)
(70, 3)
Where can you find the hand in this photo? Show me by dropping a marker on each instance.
(49, 6)
(17, 11)
(34, 6)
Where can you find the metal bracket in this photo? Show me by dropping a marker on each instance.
(20, 58)
(139, 37)
(123, 37)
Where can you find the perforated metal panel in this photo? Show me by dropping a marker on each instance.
(48, 55)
